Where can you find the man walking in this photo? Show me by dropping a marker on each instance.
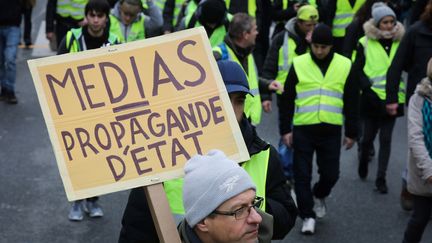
(318, 93)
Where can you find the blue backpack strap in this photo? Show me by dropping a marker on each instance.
(224, 51)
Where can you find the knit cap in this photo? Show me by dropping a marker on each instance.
(322, 34)
(209, 181)
(308, 13)
(211, 11)
(381, 10)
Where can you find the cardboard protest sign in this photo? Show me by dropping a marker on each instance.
(131, 115)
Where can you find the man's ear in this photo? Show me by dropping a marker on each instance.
(202, 225)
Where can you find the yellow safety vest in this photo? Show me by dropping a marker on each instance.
(285, 59)
(320, 98)
(218, 34)
(256, 167)
(252, 7)
(159, 3)
(75, 40)
(253, 108)
(137, 30)
(71, 8)
(376, 65)
(344, 16)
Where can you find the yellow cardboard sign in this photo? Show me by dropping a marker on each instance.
(131, 115)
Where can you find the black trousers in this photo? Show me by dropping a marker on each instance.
(27, 12)
(62, 27)
(419, 219)
(371, 127)
(327, 148)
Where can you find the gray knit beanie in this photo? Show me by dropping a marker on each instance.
(381, 10)
(209, 181)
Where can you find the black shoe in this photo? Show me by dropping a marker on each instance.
(11, 99)
(381, 186)
(3, 96)
(363, 169)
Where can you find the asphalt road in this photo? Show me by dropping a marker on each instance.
(34, 208)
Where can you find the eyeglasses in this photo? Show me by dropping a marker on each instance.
(242, 212)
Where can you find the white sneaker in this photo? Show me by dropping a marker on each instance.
(320, 207)
(308, 227)
(93, 209)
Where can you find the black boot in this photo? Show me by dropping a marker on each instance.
(381, 185)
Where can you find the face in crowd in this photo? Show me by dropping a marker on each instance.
(250, 35)
(235, 220)
(238, 102)
(306, 26)
(387, 23)
(96, 22)
(320, 51)
(129, 12)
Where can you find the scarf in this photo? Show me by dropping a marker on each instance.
(427, 124)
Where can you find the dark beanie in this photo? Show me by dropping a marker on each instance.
(322, 34)
(211, 11)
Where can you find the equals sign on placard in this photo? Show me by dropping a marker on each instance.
(132, 106)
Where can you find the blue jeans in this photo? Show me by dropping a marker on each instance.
(9, 40)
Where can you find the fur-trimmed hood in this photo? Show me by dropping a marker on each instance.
(372, 32)
(424, 88)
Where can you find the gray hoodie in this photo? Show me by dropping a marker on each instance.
(152, 23)
(420, 162)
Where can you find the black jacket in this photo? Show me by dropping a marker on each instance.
(414, 52)
(350, 98)
(137, 225)
(10, 12)
(353, 33)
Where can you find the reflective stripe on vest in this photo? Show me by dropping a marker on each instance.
(75, 40)
(320, 98)
(71, 8)
(218, 34)
(137, 30)
(377, 62)
(252, 107)
(256, 167)
(285, 59)
(344, 16)
(252, 7)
